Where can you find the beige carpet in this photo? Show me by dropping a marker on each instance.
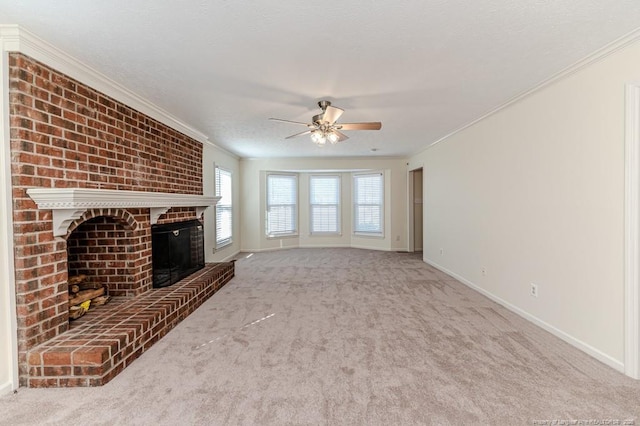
(344, 337)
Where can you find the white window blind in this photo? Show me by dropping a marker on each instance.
(282, 204)
(368, 203)
(224, 211)
(325, 204)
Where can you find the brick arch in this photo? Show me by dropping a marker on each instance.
(111, 246)
(123, 217)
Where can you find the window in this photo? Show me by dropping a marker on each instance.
(282, 205)
(368, 203)
(224, 211)
(325, 204)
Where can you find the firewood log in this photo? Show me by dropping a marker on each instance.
(89, 285)
(74, 288)
(84, 295)
(77, 279)
(100, 300)
(76, 312)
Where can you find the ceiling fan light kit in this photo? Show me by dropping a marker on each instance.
(324, 128)
(321, 138)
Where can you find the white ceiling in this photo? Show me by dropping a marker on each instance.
(423, 67)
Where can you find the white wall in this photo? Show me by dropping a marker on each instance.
(213, 156)
(253, 183)
(535, 194)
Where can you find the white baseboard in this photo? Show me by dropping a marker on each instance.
(356, 246)
(398, 249)
(228, 258)
(590, 350)
(266, 249)
(321, 246)
(325, 245)
(6, 388)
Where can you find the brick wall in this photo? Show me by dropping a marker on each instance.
(64, 134)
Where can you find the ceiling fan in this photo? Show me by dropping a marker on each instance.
(323, 127)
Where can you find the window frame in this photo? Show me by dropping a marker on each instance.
(296, 208)
(381, 204)
(219, 206)
(338, 205)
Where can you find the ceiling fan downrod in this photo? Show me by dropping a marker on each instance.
(323, 105)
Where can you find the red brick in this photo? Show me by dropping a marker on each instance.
(56, 358)
(42, 383)
(35, 358)
(90, 355)
(68, 382)
(60, 370)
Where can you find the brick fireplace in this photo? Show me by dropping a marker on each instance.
(84, 162)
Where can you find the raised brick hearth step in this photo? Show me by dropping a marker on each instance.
(108, 338)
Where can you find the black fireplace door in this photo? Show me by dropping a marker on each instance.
(177, 250)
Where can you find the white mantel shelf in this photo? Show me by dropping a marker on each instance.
(69, 204)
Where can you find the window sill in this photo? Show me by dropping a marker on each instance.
(276, 237)
(223, 245)
(366, 235)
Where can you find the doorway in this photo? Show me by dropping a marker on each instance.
(416, 213)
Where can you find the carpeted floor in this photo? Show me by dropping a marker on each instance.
(345, 337)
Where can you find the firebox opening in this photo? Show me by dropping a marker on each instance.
(98, 248)
(177, 250)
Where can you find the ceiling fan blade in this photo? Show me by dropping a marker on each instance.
(289, 121)
(376, 125)
(300, 134)
(331, 114)
(341, 136)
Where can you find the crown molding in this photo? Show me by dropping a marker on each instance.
(14, 38)
(590, 59)
(330, 159)
(223, 150)
(69, 204)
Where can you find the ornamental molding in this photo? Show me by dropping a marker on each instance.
(69, 204)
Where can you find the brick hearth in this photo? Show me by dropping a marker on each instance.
(101, 344)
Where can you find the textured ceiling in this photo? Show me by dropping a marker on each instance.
(423, 67)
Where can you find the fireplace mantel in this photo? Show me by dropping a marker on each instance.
(69, 204)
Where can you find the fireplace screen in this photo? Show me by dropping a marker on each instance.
(178, 251)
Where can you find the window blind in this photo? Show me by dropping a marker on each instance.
(325, 204)
(224, 211)
(282, 204)
(368, 195)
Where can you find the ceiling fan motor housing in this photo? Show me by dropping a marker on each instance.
(323, 105)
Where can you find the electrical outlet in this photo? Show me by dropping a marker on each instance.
(484, 271)
(441, 252)
(534, 290)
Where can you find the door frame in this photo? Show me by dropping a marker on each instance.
(632, 232)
